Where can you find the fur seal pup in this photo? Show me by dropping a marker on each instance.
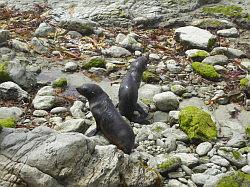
(128, 91)
(108, 120)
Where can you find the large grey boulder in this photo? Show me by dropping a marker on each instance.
(43, 157)
(195, 37)
(19, 74)
(10, 112)
(11, 91)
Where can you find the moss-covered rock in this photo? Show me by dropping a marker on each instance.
(212, 23)
(205, 70)
(197, 124)
(85, 28)
(244, 82)
(147, 101)
(95, 62)
(150, 77)
(237, 179)
(170, 164)
(228, 11)
(8, 122)
(199, 55)
(60, 83)
(4, 75)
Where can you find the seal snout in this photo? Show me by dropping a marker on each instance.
(81, 89)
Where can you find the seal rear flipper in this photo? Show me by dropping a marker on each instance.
(92, 132)
(140, 120)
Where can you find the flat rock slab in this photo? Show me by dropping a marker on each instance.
(43, 157)
(122, 13)
(195, 37)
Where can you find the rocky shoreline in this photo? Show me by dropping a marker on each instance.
(196, 90)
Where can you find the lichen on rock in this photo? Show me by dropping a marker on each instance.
(197, 124)
(205, 70)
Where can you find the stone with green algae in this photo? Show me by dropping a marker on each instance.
(7, 122)
(228, 11)
(150, 77)
(60, 83)
(244, 82)
(95, 62)
(205, 70)
(169, 164)
(197, 124)
(236, 179)
(4, 75)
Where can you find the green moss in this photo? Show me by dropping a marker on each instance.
(201, 54)
(244, 149)
(197, 124)
(150, 77)
(236, 154)
(169, 164)
(205, 70)
(8, 122)
(244, 82)
(4, 75)
(228, 11)
(211, 43)
(95, 62)
(147, 101)
(122, 14)
(157, 129)
(248, 131)
(60, 83)
(238, 179)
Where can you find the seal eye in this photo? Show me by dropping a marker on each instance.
(92, 92)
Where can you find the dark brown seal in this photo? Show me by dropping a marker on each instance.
(108, 120)
(128, 92)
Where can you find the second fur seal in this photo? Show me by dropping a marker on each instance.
(108, 120)
(128, 91)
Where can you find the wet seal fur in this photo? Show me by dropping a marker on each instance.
(128, 91)
(108, 120)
